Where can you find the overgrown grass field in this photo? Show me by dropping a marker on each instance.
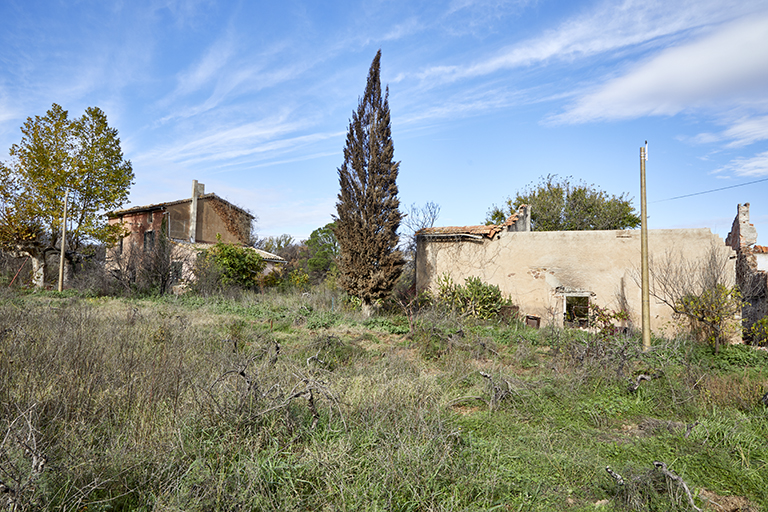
(291, 402)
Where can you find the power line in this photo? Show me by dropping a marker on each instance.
(708, 191)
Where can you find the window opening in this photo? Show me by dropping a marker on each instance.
(576, 311)
(149, 241)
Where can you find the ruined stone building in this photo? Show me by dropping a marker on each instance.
(751, 267)
(553, 276)
(192, 224)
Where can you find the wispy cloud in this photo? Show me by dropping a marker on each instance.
(208, 67)
(755, 166)
(608, 27)
(272, 136)
(742, 132)
(725, 68)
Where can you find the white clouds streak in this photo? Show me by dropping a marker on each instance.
(755, 166)
(729, 66)
(607, 28)
(743, 132)
(208, 68)
(270, 136)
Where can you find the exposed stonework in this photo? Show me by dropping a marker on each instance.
(751, 275)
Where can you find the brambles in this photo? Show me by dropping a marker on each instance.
(605, 320)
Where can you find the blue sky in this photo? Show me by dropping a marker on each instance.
(253, 98)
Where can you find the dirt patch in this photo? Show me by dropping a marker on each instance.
(714, 501)
(653, 427)
(465, 410)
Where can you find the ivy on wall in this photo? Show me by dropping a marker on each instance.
(236, 221)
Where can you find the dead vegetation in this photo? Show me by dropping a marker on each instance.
(287, 402)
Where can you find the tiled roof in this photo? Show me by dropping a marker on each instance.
(489, 231)
(760, 249)
(158, 206)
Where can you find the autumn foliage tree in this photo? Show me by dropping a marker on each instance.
(368, 214)
(57, 154)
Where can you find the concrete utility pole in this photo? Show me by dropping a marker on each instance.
(63, 241)
(644, 253)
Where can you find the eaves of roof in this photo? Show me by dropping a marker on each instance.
(160, 206)
(489, 231)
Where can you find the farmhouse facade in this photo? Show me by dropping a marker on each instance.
(553, 276)
(192, 225)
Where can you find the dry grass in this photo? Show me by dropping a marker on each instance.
(286, 401)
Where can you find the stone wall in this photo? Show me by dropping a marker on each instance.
(540, 271)
(751, 279)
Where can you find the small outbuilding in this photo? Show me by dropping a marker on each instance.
(554, 276)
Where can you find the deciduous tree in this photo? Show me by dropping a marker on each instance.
(558, 204)
(700, 291)
(323, 249)
(368, 207)
(57, 154)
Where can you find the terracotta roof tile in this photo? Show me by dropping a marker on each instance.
(489, 230)
(157, 206)
(760, 249)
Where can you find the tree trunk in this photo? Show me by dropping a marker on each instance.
(69, 272)
(367, 308)
(38, 271)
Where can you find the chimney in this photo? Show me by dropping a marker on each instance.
(198, 189)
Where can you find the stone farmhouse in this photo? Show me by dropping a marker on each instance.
(553, 276)
(192, 225)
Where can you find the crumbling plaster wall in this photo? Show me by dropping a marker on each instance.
(178, 220)
(137, 224)
(210, 223)
(538, 269)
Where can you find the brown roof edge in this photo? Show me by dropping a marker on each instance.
(159, 206)
(488, 230)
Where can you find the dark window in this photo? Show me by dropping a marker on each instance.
(576, 311)
(149, 241)
(150, 217)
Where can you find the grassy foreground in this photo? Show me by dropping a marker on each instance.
(288, 402)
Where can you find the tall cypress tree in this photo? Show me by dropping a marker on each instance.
(368, 214)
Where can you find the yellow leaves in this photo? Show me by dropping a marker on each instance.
(711, 312)
(56, 153)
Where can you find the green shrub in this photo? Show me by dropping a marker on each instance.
(710, 315)
(476, 298)
(237, 265)
(391, 325)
